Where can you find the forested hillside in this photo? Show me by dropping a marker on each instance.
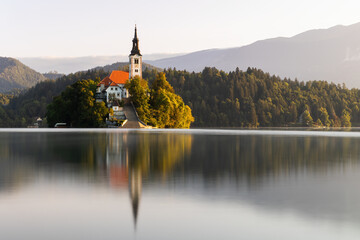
(32, 103)
(254, 98)
(249, 98)
(15, 75)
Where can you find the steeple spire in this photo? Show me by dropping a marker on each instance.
(135, 49)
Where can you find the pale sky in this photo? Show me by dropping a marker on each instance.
(73, 28)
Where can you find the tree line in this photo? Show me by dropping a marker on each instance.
(23, 109)
(250, 98)
(253, 98)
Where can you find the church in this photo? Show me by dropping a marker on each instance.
(112, 87)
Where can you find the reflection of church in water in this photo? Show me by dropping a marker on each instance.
(128, 158)
(121, 170)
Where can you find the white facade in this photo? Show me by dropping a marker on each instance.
(118, 92)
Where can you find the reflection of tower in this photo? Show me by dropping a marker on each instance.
(130, 156)
(116, 159)
(121, 173)
(135, 187)
(115, 149)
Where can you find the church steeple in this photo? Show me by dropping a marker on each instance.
(135, 49)
(135, 58)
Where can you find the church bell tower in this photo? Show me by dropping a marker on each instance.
(135, 59)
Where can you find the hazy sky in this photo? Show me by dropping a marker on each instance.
(92, 27)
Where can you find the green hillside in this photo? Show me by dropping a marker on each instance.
(32, 103)
(254, 98)
(249, 98)
(124, 66)
(15, 75)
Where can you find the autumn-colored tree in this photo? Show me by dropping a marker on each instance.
(324, 117)
(307, 119)
(345, 119)
(139, 92)
(163, 108)
(168, 108)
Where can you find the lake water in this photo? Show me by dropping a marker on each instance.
(195, 184)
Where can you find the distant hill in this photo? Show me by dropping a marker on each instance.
(123, 66)
(327, 54)
(53, 75)
(74, 64)
(15, 75)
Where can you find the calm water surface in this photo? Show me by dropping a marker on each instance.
(179, 185)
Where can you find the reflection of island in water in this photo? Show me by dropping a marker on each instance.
(219, 165)
(129, 158)
(307, 174)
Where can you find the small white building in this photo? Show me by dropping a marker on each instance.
(113, 87)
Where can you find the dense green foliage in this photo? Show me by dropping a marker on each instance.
(76, 106)
(249, 98)
(6, 97)
(159, 106)
(31, 104)
(254, 98)
(139, 91)
(14, 74)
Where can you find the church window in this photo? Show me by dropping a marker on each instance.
(112, 89)
(118, 94)
(136, 70)
(136, 61)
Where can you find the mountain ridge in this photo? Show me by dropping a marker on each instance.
(331, 54)
(16, 75)
(69, 65)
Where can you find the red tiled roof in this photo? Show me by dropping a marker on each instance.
(113, 84)
(119, 77)
(106, 81)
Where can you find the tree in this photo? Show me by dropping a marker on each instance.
(161, 83)
(168, 109)
(345, 119)
(76, 106)
(324, 117)
(318, 123)
(139, 92)
(163, 108)
(293, 112)
(307, 119)
(253, 121)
